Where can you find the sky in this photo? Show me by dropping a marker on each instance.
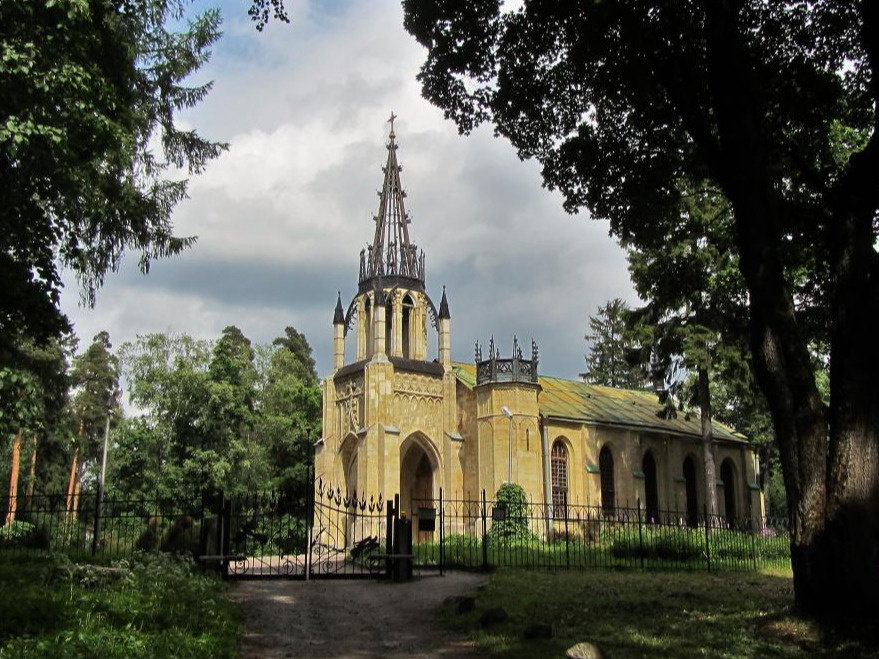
(281, 217)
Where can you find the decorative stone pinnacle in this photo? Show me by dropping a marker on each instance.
(444, 306)
(339, 315)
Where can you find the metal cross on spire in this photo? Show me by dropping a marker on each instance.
(391, 121)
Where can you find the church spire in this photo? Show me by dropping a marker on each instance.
(391, 254)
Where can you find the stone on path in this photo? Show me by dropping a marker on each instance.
(584, 650)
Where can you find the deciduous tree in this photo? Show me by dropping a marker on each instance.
(620, 101)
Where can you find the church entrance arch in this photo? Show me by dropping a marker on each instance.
(419, 468)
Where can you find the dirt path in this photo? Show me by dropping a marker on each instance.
(317, 619)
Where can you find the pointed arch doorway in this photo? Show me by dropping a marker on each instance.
(419, 467)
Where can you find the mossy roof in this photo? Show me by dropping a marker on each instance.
(572, 400)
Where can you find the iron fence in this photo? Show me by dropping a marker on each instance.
(70, 524)
(481, 533)
(326, 532)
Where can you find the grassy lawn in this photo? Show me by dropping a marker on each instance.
(631, 614)
(154, 606)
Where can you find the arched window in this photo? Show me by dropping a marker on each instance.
(408, 306)
(389, 325)
(559, 464)
(605, 466)
(651, 488)
(690, 483)
(727, 477)
(367, 320)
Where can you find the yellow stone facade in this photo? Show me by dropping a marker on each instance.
(396, 421)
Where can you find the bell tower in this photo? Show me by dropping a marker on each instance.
(389, 408)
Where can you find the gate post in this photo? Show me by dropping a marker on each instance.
(389, 533)
(309, 521)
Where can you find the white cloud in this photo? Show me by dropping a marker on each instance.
(282, 216)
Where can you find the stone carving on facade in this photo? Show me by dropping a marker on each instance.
(349, 403)
(418, 385)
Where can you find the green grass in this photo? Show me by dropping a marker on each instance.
(161, 607)
(654, 614)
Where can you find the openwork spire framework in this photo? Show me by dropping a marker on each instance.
(392, 254)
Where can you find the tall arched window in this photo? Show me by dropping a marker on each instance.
(605, 466)
(727, 477)
(559, 465)
(408, 306)
(651, 488)
(690, 483)
(367, 320)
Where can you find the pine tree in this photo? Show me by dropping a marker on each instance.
(612, 358)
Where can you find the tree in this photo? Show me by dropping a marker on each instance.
(95, 379)
(610, 348)
(166, 377)
(290, 408)
(231, 453)
(298, 346)
(89, 90)
(619, 101)
(696, 309)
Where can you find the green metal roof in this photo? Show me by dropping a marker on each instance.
(576, 401)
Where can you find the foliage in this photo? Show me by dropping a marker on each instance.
(11, 534)
(611, 347)
(91, 92)
(224, 415)
(95, 378)
(776, 105)
(161, 606)
(512, 500)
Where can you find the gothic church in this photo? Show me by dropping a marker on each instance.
(397, 422)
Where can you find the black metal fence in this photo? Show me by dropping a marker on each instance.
(326, 532)
(292, 533)
(483, 534)
(70, 524)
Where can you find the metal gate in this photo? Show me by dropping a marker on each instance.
(319, 533)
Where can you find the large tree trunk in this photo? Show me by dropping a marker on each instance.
(13, 477)
(852, 516)
(707, 443)
(832, 486)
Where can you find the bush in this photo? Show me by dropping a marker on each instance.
(514, 526)
(14, 532)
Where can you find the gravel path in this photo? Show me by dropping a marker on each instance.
(317, 619)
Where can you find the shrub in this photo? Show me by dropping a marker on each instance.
(514, 526)
(16, 533)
